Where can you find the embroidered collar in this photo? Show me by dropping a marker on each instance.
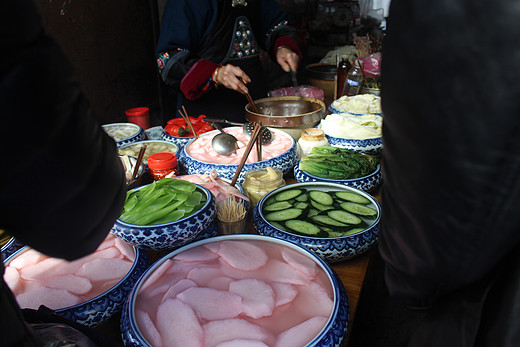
(236, 3)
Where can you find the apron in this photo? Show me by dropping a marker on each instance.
(233, 35)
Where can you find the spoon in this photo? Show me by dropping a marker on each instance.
(224, 143)
(266, 136)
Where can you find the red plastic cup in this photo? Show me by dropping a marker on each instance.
(139, 116)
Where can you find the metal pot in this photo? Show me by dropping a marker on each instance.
(292, 114)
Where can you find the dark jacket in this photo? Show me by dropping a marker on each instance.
(62, 184)
(451, 195)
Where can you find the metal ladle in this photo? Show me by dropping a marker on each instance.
(224, 143)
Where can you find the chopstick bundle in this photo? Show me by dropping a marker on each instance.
(252, 140)
(138, 162)
(188, 121)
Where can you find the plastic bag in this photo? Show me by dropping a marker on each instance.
(372, 64)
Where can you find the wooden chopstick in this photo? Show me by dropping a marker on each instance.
(252, 140)
(252, 103)
(188, 121)
(259, 144)
(138, 162)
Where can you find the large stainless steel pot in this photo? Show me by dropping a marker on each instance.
(291, 114)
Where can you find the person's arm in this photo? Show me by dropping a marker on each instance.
(62, 185)
(184, 26)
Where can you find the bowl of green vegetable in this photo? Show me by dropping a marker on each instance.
(340, 166)
(165, 214)
(334, 221)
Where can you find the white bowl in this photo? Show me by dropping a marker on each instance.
(124, 133)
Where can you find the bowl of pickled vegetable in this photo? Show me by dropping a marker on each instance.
(165, 214)
(341, 166)
(124, 133)
(334, 221)
(152, 147)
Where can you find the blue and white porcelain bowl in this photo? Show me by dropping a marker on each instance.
(331, 335)
(100, 308)
(330, 249)
(283, 162)
(365, 183)
(366, 146)
(124, 133)
(179, 141)
(167, 236)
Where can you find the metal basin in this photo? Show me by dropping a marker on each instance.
(292, 114)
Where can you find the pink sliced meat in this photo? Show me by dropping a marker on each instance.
(147, 328)
(27, 258)
(298, 261)
(125, 249)
(178, 325)
(279, 271)
(105, 269)
(52, 298)
(196, 254)
(284, 293)
(43, 268)
(314, 300)
(220, 331)
(203, 275)
(156, 274)
(242, 255)
(177, 288)
(108, 242)
(220, 283)
(12, 279)
(74, 284)
(211, 304)
(111, 252)
(257, 297)
(301, 334)
(242, 343)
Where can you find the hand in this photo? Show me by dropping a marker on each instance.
(232, 77)
(287, 59)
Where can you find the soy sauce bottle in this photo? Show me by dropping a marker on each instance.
(343, 68)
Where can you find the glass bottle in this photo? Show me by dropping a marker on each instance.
(161, 164)
(260, 182)
(343, 68)
(353, 82)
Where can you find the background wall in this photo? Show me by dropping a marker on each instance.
(111, 45)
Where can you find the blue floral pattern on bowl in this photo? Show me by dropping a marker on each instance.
(99, 309)
(139, 134)
(162, 237)
(11, 247)
(179, 141)
(332, 109)
(284, 162)
(366, 183)
(330, 249)
(332, 334)
(366, 146)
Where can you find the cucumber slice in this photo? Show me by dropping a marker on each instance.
(277, 206)
(312, 212)
(354, 197)
(302, 227)
(344, 217)
(321, 197)
(290, 213)
(287, 194)
(320, 207)
(301, 198)
(334, 233)
(301, 205)
(322, 219)
(269, 201)
(358, 209)
(353, 231)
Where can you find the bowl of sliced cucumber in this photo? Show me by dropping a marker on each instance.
(334, 221)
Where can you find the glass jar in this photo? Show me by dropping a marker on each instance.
(161, 164)
(311, 138)
(260, 182)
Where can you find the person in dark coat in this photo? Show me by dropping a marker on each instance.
(62, 184)
(208, 52)
(450, 231)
